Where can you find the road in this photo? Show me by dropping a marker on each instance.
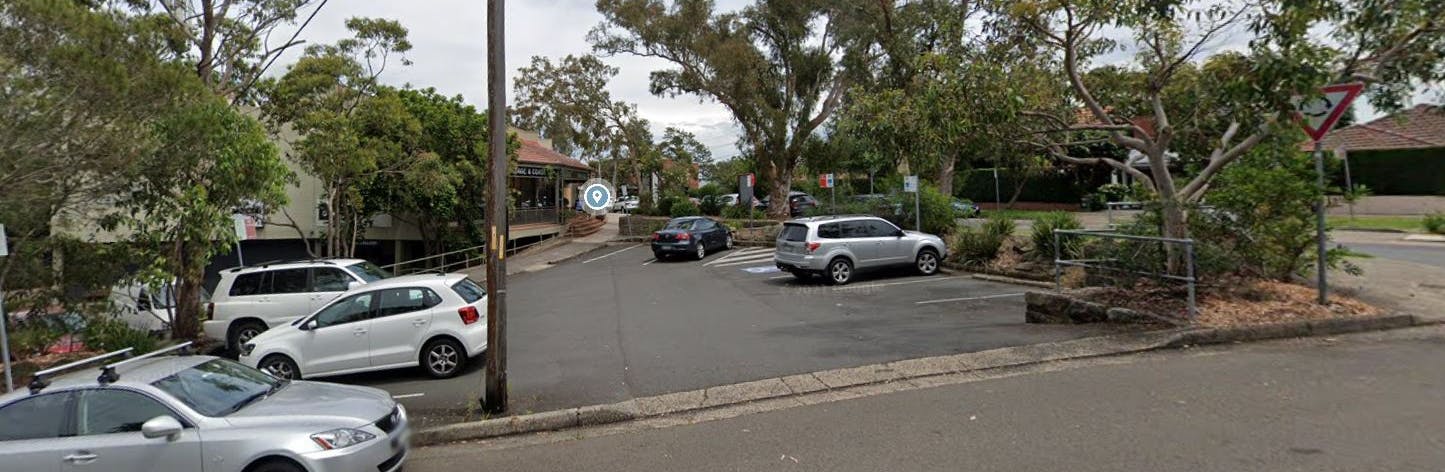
(1355, 403)
(1433, 255)
(614, 324)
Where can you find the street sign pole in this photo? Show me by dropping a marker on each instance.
(495, 398)
(1320, 223)
(5, 319)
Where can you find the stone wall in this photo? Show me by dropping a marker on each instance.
(1057, 308)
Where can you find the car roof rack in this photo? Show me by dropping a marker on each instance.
(108, 375)
(40, 380)
(262, 265)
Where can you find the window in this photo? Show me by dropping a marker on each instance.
(327, 279)
(702, 225)
(254, 283)
(112, 411)
(353, 308)
(830, 231)
(217, 387)
(881, 229)
(368, 271)
(680, 223)
(39, 417)
(288, 281)
(855, 229)
(468, 290)
(404, 300)
(793, 232)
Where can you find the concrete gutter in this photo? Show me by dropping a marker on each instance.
(839, 384)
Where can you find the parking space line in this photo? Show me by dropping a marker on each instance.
(906, 282)
(964, 299)
(610, 254)
(780, 277)
(409, 395)
(746, 260)
(737, 255)
(649, 261)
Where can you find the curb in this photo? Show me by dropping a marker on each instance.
(848, 380)
(1371, 230)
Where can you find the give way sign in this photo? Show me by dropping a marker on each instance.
(1319, 114)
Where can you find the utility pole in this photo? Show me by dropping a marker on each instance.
(495, 398)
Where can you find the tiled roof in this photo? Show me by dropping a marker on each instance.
(1419, 127)
(535, 153)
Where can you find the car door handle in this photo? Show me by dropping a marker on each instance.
(358, 331)
(418, 322)
(81, 457)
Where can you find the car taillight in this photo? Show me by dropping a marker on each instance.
(683, 236)
(656, 236)
(813, 247)
(469, 314)
(210, 311)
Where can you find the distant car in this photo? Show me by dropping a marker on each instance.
(693, 235)
(626, 204)
(838, 246)
(196, 413)
(433, 320)
(145, 309)
(798, 202)
(249, 300)
(965, 209)
(728, 199)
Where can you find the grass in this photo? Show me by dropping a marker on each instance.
(1412, 224)
(1014, 214)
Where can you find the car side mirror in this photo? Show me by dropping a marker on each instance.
(307, 325)
(898, 233)
(352, 285)
(161, 427)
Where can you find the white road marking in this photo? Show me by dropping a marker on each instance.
(649, 261)
(409, 395)
(964, 299)
(780, 277)
(906, 282)
(610, 254)
(739, 254)
(746, 260)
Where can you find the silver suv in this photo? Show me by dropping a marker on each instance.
(249, 300)
(196, 413)
(838, 246)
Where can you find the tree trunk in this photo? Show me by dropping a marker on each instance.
(190, 270)
(945, 176)
(781, 179)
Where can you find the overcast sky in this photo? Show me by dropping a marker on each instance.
(450, 53)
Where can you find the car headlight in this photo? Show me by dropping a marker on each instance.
(247, 348)
(341, 437)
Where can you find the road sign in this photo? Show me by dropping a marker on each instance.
(597, 197)
(1319, 114)
(745, 190)
(910, 183)
(825, 180)
(4, 244)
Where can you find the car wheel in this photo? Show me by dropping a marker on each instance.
(728, 241)
(280, 366)
(242, 332)
(927, 262)
(701, 250)
(275, 466)
(840, 271)
(443, 358)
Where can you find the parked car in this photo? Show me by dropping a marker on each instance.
(732, 199)
(965, 209)
(432, 320)
(145, 309)
(798, 202)
(626, 204)
(691, 235)
(838, 246)
(161, 412)
(249, 300)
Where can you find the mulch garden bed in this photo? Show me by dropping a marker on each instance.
(1235, 303)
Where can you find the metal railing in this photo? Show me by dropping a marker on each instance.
(525, 216)
(1103, 263)
(475, 256)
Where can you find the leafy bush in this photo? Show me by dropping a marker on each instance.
(979, 246)
(737, 212)
(1435, 223)
(935, 207)
(32, 339)
(683, 207)
(108, 334)
(1043, 234)
(849, 207)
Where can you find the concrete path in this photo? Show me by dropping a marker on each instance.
(1359, 402)
(1400, 275)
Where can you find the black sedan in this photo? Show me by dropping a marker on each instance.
(691, 235)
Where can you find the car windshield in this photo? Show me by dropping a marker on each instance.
(368, 271)
(679, 224)
(219, 387)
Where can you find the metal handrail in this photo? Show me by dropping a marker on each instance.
(465, 263)
(481, 247)
(1190, 279)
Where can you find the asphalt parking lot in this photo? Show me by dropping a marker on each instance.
(615, 324)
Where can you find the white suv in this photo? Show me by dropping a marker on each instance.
(249, 300)
(436, 321)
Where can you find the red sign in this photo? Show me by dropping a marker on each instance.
(1319, 114)
(825, 180)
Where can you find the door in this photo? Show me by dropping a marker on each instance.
(861, 242)
(891, 248)
(290, 296)
(402, 320)
(108, 435)
(709, 232)
(30, 430)
(340, 338)
(327, 283)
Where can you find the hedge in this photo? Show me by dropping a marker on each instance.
(1067, 187)
(1399, 172)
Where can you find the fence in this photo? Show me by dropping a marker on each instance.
(461, 259)
(1126, 254)
(523, 216)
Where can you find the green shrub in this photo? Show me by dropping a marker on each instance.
(1435, 223)
(935, 207)
(1043, 234)
(32, 340)
(999, 227)
(737, 212)
(683, 207)
(979, 246)
(108, 334)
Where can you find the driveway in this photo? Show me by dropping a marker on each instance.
(615, 324)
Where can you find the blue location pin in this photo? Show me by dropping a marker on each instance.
(597, 196)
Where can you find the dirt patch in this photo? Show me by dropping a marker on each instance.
(1243, 302)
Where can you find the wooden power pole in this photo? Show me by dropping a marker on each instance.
(495, 398)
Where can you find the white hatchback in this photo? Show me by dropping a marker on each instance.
(436, 321)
